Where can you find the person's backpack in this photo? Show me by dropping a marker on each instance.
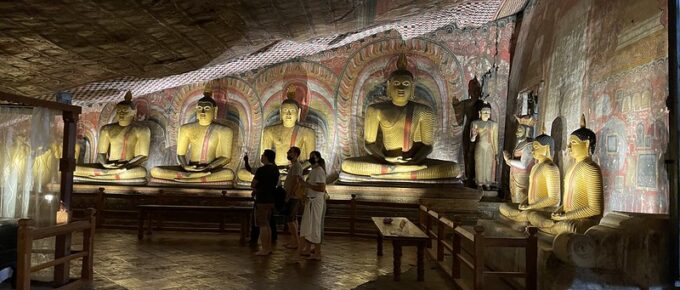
(280, 199)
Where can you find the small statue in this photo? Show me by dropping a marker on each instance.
(484, 133)
(122, 148)
(280, 137)
(582, 203)
(520, 161)
(208, 145)
(407, 130)
(544, 183)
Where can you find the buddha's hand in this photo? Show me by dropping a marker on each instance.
(558, 215)
(192, 175)
(111, 165)
(523, 206)
(397, 160)
(506, 157)
(193, 168)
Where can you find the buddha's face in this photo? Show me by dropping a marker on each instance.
(485, 114)
(521, 132)
(289, 115)
(578, 149)
(540, 151)
(400, 89)
(125, 114)
(205, 113)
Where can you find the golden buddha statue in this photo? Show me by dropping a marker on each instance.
(122, 148)
(280, 137)
(582, 203)
(207, 144)
(544, 183)
(407, 130)
(520, 161)
(484, 133)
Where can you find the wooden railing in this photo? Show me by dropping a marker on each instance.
(344, 216)
(473, 257)
(27, 234)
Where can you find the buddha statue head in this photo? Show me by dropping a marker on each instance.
(290, 109)
(524, 125)
(543, 147)
(206, 108)
(485, 112)
(125, 110)
(400, 86)
(582, 142)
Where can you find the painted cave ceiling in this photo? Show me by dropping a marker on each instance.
(100, 49)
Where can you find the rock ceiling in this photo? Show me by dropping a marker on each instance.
(100, 49)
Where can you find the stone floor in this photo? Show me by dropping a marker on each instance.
(216, 261)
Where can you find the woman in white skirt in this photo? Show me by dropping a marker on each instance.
(311, 228)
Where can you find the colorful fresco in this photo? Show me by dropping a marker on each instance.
(334, 88)
(608, 61)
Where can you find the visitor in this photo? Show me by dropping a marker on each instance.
(265, 181)
(254, 229)
(311, 228)
(294, 192)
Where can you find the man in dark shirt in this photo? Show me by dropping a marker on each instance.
(265, 181)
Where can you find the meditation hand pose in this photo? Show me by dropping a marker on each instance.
(208, 146)
(484, 133)
(582, 203)
(407, 130)
(520, 162)
(544, 183)
(281, 137)
(122, 149)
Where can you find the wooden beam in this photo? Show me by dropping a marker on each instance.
(33, 102)
(673, 151)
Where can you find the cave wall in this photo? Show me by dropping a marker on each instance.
(609, 61)
(335, 87)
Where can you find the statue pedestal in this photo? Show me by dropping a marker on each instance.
(625, 251)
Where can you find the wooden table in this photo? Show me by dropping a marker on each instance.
(402, 232)
(243, 213)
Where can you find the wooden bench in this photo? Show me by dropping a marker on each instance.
(402, 232)
(243, 213)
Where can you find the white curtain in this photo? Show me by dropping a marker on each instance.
(29, 153)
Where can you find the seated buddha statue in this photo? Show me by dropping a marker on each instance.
(582, 202)
(407, 130)
(122, 148)
(280, 137)
(544, 183)
(203, 148)
(520, 161)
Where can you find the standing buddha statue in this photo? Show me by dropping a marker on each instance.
(203, 148)
(582, 203)
(407, 130)
(520, 161)
(122, 148)
(484, 132)
(544, 183)
(280, 137)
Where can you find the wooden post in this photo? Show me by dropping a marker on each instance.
(441, 235)
(99, 206)
(24, 248)
(88, 245)
(428, 226)
(531, 259)
(352, 214)
(478, 260)
(455, 251)
(67, 164)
